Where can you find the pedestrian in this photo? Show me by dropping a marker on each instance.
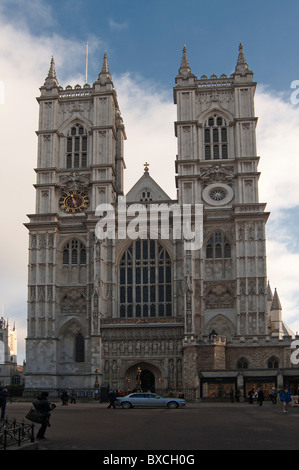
(231, 394)
(260, 396)
(237, 394)
(3, 400)
(65, 397)
(250, 396)
(273, 395)
(73, 396)
(285, 398)
(111, 398)
(181, 395)
(42, 405)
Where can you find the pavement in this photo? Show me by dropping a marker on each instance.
(197, 427)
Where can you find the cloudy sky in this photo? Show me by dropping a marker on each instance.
(144, 42)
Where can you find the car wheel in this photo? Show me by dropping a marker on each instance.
(126, 405)
(172, 405)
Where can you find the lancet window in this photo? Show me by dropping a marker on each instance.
(76, 147)
(216, 138)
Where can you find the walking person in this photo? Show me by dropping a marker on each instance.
(42, 405)
(260, 397)
(285, 398)
(111, 398)
(231, 394)
(273, 395)
(3, 400)
(250, 396)
(73, 396)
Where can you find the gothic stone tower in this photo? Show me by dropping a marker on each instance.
(217, 166)
(80, 165)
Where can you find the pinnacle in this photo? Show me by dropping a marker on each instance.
(52, 78)
(276, 305)
(242, 66)
(104, 76)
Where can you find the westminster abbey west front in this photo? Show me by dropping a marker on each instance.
(148, 313)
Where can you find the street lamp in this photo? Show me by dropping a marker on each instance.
(96, 384)
(138, 381)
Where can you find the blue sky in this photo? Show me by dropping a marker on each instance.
(144, 42)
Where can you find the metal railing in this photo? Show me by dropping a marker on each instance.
(13, 433)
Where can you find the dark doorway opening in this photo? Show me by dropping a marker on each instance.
(147, 381)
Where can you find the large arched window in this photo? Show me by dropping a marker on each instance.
(74, 253)
(79, 348)
(76, 147)
(215, 138)
(218, 246)
(145, 281)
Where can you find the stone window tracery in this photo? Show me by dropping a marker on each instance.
(145, 280)
(218, 246)
(273, 363)
(242, 363)
(76, 151)
(215, 138)
(74, 253)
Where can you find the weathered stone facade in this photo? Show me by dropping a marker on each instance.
(125, 311)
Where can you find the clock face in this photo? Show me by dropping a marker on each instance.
(74, 202)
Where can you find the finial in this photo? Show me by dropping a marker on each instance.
(146, 169)
(241, 57)
(242, 66)
(184, 63)
(105, 68)
(104, 76)
(51, 78)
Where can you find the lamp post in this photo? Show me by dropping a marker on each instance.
(138, 380)
(96, 384)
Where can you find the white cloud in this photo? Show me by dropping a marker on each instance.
(117, 26)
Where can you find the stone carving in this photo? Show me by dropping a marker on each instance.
(217, 173)
(73, 301)
(74, 182)
(219, 296)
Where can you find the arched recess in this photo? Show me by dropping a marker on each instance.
(220, 326)
(152, 376)
(72, 342)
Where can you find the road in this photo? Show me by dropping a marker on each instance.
(203, 426)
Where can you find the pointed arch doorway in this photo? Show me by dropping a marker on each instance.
(143, 375)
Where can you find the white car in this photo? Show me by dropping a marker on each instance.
(148, 399)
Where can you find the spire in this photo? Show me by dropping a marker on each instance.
(51, 79)
(276, 305)
(104, 76)
(185, 69)
(242, 66)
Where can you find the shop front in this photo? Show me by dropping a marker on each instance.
(217, 387)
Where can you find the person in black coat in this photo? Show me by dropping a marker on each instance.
(111, 398)
(260, 397)
(3, 397)
(42, 405)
